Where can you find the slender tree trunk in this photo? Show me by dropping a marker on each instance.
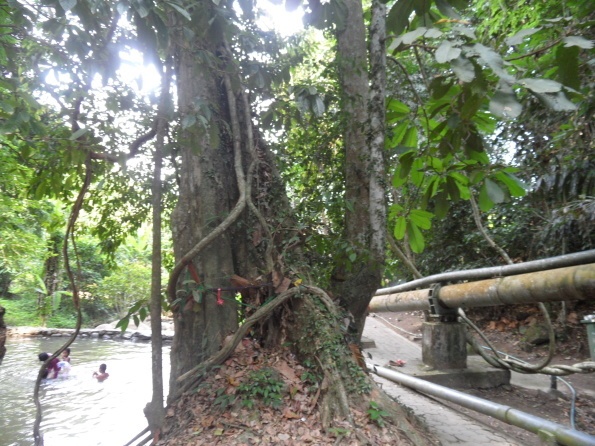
(365, 211)
(2, 334)
(154, 411)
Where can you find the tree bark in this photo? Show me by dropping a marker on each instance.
(365, 211)
(2, 334)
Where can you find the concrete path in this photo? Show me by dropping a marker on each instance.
(449, 426)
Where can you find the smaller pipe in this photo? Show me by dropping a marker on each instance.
(503, 413)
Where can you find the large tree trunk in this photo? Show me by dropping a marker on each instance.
(207, 194)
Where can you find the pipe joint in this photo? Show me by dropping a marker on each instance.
(438, 310)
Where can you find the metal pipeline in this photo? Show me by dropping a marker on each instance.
(562, 284)
(577, 258)
(503, 413)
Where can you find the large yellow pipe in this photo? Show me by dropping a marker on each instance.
(562, 284)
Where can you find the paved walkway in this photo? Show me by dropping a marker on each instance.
(449, 426)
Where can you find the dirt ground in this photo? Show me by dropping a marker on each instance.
(504, 330)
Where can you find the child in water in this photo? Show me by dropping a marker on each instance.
(102, 375)
(65, 356)
(52, 369)
(64, 363)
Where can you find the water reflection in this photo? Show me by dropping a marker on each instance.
(77, 410)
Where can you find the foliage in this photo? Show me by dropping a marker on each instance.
(21, 312)
(263, 385)
(377, 414)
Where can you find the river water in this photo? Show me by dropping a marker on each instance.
(77, 410)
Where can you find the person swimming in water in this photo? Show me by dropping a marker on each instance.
(65, 355)
(64, 363)
(52, 369)
(102, 375)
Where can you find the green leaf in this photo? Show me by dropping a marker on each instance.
(441, 204)
(123, 323)
(568, 66)
(398, 134)
(396, 110)
(581, 42)
(403, 169)
(504, 104)
(422, 219)
(181, 10)
(352, 257)
(410, 137)
(485, 204)
(520, 36)
(416, 239)
(557, 102)
(398, 16)
(541, 85)
(494, 191)
(400, 227)
(515, 186)
(493, 60)
(463, 69)
(446, 52)
(411, 36)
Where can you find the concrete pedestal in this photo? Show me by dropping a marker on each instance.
(443, 345)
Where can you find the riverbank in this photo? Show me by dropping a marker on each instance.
(141, 332)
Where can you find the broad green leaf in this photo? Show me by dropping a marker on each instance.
(515, 186)
(398, 16)
(400, 227)
(463, 69)
(494, 191)
(568, 66)
(439, 87)
(433, 33)
(411, 36)
(493, 60)
(403, 169)
(485, 203)
(352, 257)
(557, 102)
(541, 85)
(398, 106)
(446, 9)
(422, 219)
(520, 36)
(416, 239)
(181, 10)
(398, 134)
(447, 52)
(441, 204)
(410, 137)
(504, 104)
(481, 157)
(459, 177)
(417, 172)
(581, 42)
